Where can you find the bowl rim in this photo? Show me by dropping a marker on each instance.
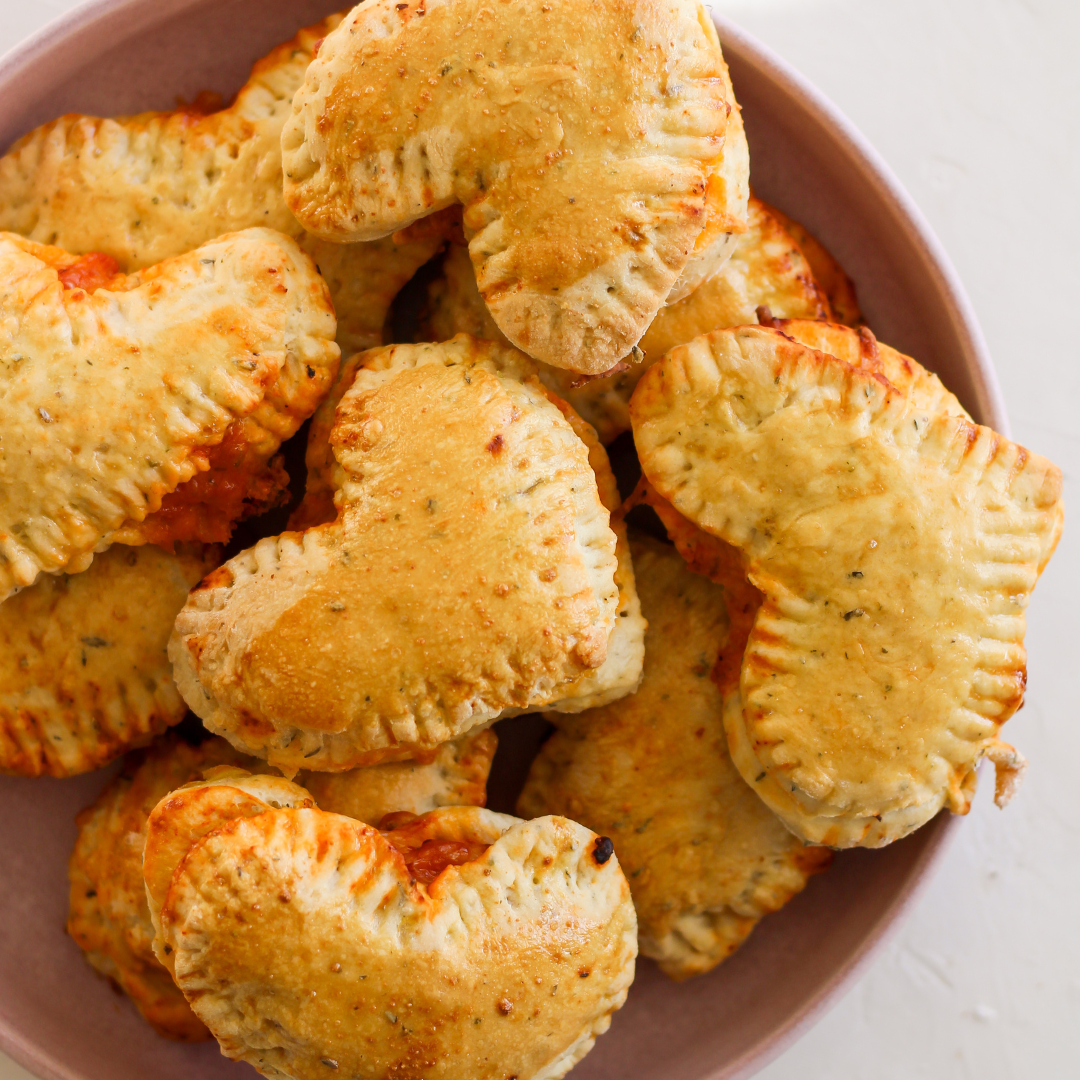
(60, 34)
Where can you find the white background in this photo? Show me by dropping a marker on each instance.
(975, 104)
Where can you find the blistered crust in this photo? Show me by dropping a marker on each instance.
(766, 269)
(84, 673)
(704, 856)
(471, 570)
(109, 396)
(895, 549)
(583, 175)
(108, 916)
(150, 187)
(508, 965)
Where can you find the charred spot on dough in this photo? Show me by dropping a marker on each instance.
(495, 445)
(603, 849)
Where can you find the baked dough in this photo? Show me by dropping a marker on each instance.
(454, 774)
(766, 269)
(584, 176)
(471, 571)
(84, 673)
(621, 671)
(726, 204)
(895, 549)
(508, 963)
(704, 856)
(861, 349)
(186, 815)
(839, 288)
(150, 187)
(112, 398)
(108, 916)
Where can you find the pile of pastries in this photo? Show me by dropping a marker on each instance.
(806, 638)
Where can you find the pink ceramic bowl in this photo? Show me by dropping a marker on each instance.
(61, 1020)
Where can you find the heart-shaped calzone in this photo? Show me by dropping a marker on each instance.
(895, 548)
(108, 913)
(704, 856)
(115, 396)
(587, 177)
(147, 188)
(465, 944)
(471, 572)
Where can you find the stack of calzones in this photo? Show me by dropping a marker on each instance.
(816, 655)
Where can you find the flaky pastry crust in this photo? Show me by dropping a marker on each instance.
(583, 175)
(150, 187)
(704, 856)
(766, 269)
(507, 964)
(471, 571)
(621, 670)
(862, 350)
(454, 774)
(895, 549)
(108, 916)
(84, 673)
(838, 287)
(112, 398)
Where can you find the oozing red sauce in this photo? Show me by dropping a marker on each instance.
(431, 858)
(207, 507)
(90, 272)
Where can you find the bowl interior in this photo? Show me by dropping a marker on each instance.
(60, 1019)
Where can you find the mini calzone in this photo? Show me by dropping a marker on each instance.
(471, 571)
(464, 945)
(704, 856)
(116, 396)
(587, 177)
(895, 547)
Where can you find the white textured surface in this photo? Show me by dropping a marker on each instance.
(975, 105)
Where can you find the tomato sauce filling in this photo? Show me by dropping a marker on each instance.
(91, 272)
(237, 485)
(426, 862)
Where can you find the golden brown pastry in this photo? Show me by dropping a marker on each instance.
(727, 196)
(116, 397)
(584, 175)
(147, 188)
(621, 671)
(471, 572)
(184, 816)
(84, 673)
(862, 350)
(454, 774)
(108, 916)
(895, 549)
(465, 945)
(704, 856)
(766, 269)
(839, 288)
